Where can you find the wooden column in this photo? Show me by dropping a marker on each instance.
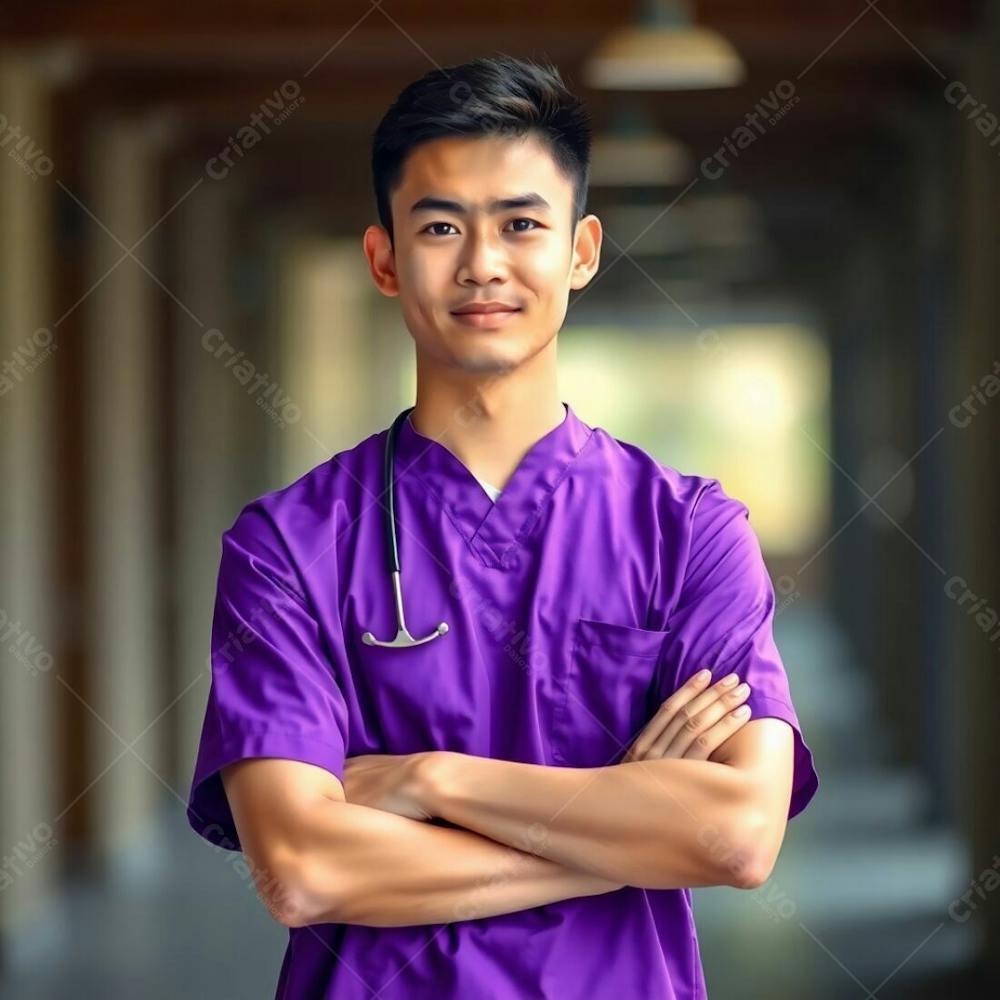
(29, 824)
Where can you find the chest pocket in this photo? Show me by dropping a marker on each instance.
(604, 691)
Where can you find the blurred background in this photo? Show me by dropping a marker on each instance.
(798, 295)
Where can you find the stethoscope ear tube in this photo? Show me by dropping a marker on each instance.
(389, 479)
(403, 637)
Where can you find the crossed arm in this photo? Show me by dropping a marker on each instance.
(701, 799)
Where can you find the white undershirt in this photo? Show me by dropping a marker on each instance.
(491, 491)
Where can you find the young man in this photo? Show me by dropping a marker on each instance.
(517, 806)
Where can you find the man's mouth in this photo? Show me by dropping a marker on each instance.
(485, 317)
(485, 309)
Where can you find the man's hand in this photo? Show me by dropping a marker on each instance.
(694, 721)
(390, 782)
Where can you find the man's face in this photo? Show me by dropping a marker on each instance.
(455, 248)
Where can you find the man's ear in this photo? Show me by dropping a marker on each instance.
(381, 259)
(586, 251)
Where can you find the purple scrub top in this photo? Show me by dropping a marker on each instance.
(598, 582)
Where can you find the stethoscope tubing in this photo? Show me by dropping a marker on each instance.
(403, 637)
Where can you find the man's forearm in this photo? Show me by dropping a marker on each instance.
(365, 866)
(655, 824)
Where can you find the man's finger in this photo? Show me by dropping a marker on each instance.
(690, 689)
(705, 744)
(690, 698)
(692, 721)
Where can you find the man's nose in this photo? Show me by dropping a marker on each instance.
(483, 258)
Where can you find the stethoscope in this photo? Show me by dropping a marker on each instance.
(403, 637)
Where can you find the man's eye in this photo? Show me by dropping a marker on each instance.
(432, 228)
(532, 221)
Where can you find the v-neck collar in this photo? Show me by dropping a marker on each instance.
(493, 530)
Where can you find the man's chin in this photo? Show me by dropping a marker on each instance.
(489, 362)
(483, 354)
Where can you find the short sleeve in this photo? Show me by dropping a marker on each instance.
(273, 689)
(724, 619)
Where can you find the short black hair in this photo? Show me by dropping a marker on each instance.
(488, 96)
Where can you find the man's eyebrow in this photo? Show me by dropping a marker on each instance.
(432, 204)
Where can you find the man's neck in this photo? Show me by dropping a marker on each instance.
(489, 432)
